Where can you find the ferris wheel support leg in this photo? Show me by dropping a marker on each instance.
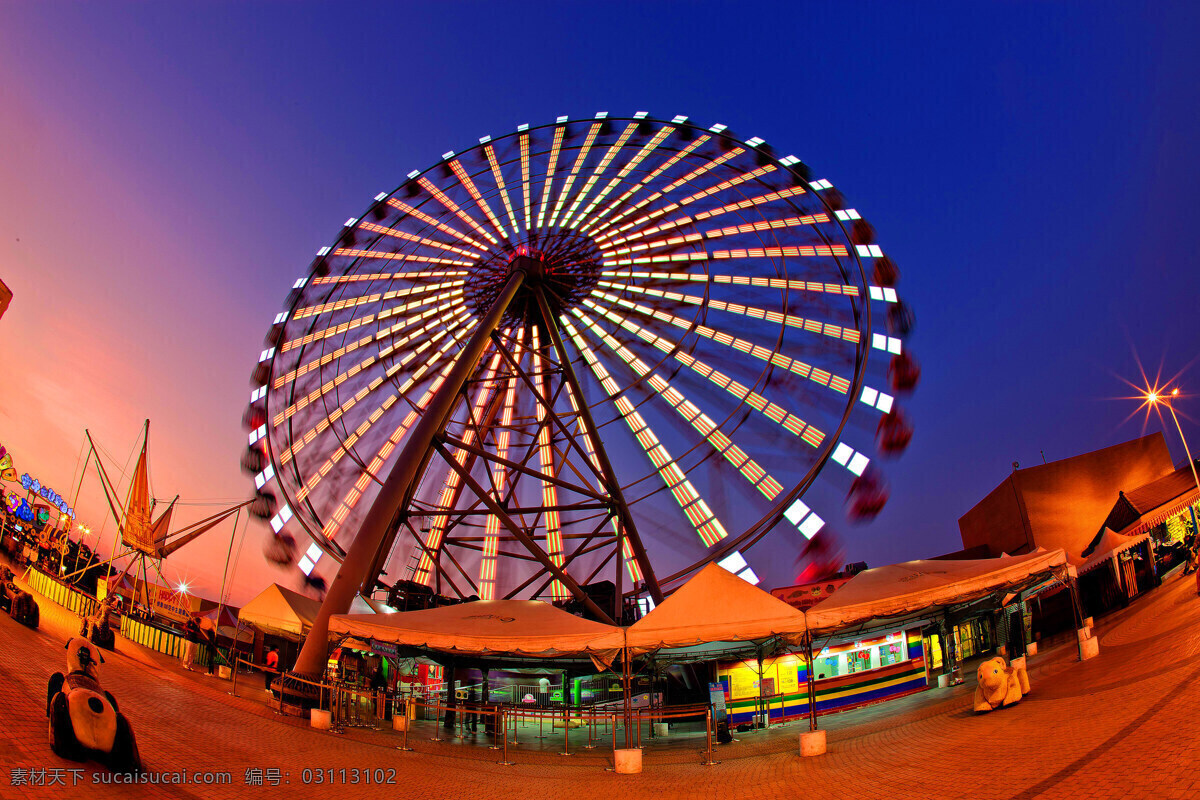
(614, 487)
(397, 488)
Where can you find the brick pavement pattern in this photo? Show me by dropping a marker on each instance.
(1121, 725)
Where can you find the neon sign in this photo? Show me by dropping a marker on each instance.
(35, 486)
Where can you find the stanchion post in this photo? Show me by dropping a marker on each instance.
(566, 751)
(708, 752)
(504, 727)
(407, 725)
(235, 671)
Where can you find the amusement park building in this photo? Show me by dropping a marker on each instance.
(1063, 503)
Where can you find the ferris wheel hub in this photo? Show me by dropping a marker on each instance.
(563, 263)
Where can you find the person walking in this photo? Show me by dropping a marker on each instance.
(191, 634)
(272, 666)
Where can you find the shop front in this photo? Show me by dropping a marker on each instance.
(849, 673)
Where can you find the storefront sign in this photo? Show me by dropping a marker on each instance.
(35, 486)
(385, 648)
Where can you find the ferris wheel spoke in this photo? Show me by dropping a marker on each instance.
(554, 545)
(456, 319)
(582, 549)
(612, 237)
(758, 477)
(498, 177)
(737, 280)
(327, 421)
(355, 252)
(814, 374)
(354, 494)
(666, 165)
(707, 526)
(498, 476)
(574, 173)
(453, 296)
(448, 289)
(551, 166)
(526, 189)
(659, 137)
(465, 179)
(787, 420)
(454, 208)
(361, 300)
(416, 213)
(790, 320)
(423, 241)
(604, 164)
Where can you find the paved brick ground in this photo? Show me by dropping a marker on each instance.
(1122, 725)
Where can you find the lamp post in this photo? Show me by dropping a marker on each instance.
(1153, 397)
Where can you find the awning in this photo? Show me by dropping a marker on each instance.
(1110, 545)
(715, 606)
(915, 587)
(280, 611)
(528, 628)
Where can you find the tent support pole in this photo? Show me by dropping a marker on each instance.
(812, 682)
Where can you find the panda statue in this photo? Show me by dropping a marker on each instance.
(84, 719)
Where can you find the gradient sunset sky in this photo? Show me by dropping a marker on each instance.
(167, 171)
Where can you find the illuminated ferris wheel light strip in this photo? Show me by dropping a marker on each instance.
(772, 224)
(354, 252)
(453, 485)
(351, 401)
(781, 252)
(728, 184)
(596, 173)
(400, 205)
(814, 374)
(479, 199)
(358, 322)
(647, 148)
(392, 331)
(551, 166)
(325, 422)
(454, 209)
(360, 277)
(889, 344)
(491, 540)
(670, 162)
(355, 493)
(758, 477)
(697, 511)
(638, 248)
(525, 188)
(353, 302)
(703, 168)
(412, 237)
(574, 173)
(800, 323)
(498, 177)
(701, 215)
(554, 542)
(741, 280)
(789, 421)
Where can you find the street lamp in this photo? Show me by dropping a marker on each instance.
(1154, 396)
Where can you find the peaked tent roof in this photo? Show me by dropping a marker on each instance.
(1107, 544)
(489, 627)
(714, 606)
(280, 610)
(916, 586)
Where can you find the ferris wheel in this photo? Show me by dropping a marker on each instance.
(607, 349)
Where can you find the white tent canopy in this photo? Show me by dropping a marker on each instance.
(1110, 545)
(914, 586)
(283, 612)
(714, 606)
(489, 627)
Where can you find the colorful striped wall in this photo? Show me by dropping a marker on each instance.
(833, 694)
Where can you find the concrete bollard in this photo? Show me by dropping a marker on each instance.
(1084, 633)
(627, 761)
(662, 728)
(1088, 623)
(945, 680)
(1089, 647)
(223, 672)
(1031, 649)
(812, 743)
(400, 722)
(321, 720)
